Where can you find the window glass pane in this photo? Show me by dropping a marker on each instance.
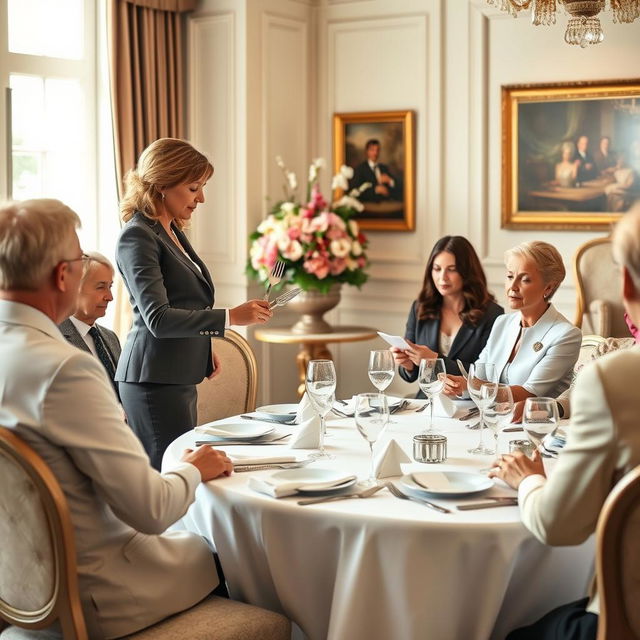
(50, 157)
(51, 28)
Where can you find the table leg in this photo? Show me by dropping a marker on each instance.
(309, 351)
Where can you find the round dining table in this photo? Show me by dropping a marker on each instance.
(384, 567)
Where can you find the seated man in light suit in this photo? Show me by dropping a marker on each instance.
(60, 401)
(81, 329)
(603, 443)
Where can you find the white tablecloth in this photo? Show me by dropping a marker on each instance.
(384, 568)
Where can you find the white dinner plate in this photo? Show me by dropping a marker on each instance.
(236, 430)
(283, 412)
(446, 483)
(314, 481)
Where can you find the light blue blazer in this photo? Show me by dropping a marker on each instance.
(545, 370)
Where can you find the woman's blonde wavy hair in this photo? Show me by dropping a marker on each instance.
(166, 162)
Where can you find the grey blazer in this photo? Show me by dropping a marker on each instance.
(69, 331)
(172, 300)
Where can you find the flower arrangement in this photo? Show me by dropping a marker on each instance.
(320, 244)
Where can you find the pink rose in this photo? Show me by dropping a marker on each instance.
(337, 266)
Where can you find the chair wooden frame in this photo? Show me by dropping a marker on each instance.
(581, 306)
(619, 505)
(64, 604)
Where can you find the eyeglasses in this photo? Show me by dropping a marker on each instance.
(84, 257)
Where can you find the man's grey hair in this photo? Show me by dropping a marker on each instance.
(626, 243)
(35, 235)
(94, 257)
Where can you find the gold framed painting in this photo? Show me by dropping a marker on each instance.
(379, 148)
(570, 154)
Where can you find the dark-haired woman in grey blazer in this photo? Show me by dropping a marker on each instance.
(168, 350)
(454, 312)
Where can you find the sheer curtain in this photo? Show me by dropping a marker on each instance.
(146, 61)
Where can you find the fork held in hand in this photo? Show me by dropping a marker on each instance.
(275, 275)
(287, 296)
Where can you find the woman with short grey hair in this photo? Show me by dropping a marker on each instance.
(534, 348)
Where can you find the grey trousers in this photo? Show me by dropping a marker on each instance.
(159, 413)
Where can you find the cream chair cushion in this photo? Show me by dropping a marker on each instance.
(26, 560)
(234, 389)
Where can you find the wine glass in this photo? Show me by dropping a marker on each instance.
(372, 416)
(431, 377)
(320, 383)
(500, 413)
(381, 368)
(482, 385)
(540, 417)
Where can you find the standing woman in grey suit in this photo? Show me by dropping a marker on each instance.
(168, 350)
(454, 312)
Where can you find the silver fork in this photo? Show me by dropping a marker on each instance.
(275, 275)
(366, 493)
(239, 468)
(399, 494)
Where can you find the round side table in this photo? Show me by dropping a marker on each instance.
(313, 346)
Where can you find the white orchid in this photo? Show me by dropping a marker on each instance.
(292, 180)
(313, 172)
(339, 182)
(348, 201)
(346, 171)
(318, 163)
(288, 207)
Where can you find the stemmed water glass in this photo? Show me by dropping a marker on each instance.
(482, 385)
(500, 413)
(372, 416)
(539, 418)
(320, 383)
(431, 377)
(381, 368)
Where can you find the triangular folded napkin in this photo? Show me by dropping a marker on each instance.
(307, 435)
(281, 488)
(305, 409)
(443, 407)
(386, 462)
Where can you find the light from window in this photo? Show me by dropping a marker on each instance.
(49, 152)
(47, 28)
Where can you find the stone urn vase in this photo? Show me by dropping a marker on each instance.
(312, 305)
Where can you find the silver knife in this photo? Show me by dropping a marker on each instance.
(281, 300)
(495, 502)
(248, 417)
(469, 414)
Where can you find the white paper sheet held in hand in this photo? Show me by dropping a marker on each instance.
(395, 341)
(307, 435)
(386, 462)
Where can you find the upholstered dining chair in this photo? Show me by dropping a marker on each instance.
(38, 573)
(599, 289)
(235, 388)
(618, 561)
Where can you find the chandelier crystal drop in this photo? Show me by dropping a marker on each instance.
(583, 26)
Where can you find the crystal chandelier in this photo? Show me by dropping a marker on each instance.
(583, 27)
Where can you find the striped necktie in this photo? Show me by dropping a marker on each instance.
(103, 353)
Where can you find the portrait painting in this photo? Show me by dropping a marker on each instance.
(378, 148)
(571, 154)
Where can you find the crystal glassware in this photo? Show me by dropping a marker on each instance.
(499, 414)
(381, 368)
(482, 385)
(539, 418)
(372, 416)
(431, 377)
(320, 383)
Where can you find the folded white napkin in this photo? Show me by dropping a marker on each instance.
(386, 462)
(305, 409)
(258, 460)
(282, 488)
(443, 407)
(307, 435)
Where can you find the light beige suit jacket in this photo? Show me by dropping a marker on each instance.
(59, 399)
(603, 443)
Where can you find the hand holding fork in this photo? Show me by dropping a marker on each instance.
(275, 275)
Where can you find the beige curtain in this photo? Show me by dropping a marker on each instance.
(147, 89)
